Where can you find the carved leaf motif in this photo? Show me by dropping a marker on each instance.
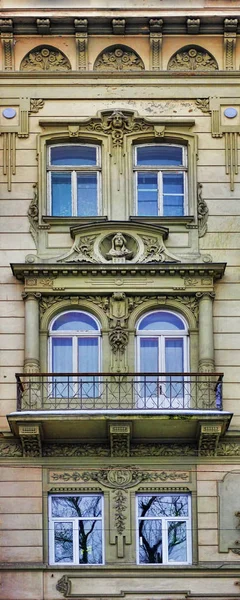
(203, 104)
(63, 585)
(36, 104)
(192, 59)
(75, 450)
(119, 59)
(120, 505)
(45, 58)
(10, 449)
(118, 124)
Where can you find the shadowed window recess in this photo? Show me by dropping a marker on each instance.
(161, 180)
(74, 173)
(164, 528)
(76, 529)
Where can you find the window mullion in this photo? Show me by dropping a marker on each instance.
(160, 193)
(74, 193)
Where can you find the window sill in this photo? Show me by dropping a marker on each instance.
(73, 221)
(166, 221)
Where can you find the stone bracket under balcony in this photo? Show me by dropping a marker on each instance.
(120, 431)
(31, 438)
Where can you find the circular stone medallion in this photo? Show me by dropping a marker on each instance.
(230, 112)
(9, 113)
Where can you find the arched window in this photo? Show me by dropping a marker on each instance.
(74, 340)
(74, 180)
(74, 348)
(162, 350)
(161, 180)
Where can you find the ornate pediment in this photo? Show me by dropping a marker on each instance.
(118, 243)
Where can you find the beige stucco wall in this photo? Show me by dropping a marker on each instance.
(22, 525)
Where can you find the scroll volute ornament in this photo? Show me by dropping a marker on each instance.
(118, 58)
(45, 58)
(192, 58)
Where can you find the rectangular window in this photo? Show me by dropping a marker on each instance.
(76, 529)
(161, 180)
(74, 180)
(163, 528)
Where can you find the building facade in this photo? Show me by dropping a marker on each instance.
(120, 326)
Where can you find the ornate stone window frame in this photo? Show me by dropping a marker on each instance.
(66, 135)
(118, 484)
(184, 307)
(65, 305)
(167, 135)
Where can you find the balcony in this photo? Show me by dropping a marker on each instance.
(87, 407)
(99, 392)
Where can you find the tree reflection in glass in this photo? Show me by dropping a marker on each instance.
(77, 538)
(163, 528)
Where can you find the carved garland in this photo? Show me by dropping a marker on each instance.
(119, 477)
(120, 58)
(192, 58)
(45, 58)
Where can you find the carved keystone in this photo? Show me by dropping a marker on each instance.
(31, 439)
(208, 439)
(120, 439)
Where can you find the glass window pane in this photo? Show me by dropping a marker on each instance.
(76, 506)
(61, 194)
(163, 506)
(160, 321)
(173, 194)
(149, 355)
(63, 542)
(75, 321)
(62, 355)
(177, 541)
(150, 541)
(87, 355)
(159, 155)
(90, 542)
(174, 355)
(147, 194)
(173, 183)
(87, 194)
(73, 155)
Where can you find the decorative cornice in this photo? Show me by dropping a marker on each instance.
(25, 270)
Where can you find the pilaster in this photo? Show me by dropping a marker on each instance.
(31, 360)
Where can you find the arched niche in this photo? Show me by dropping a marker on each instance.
(192, 58)
(118, 58)
(45, 58)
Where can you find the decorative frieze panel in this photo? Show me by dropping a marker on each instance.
(192, 58)
(119, 477)
(45, 58)
(118, 247)
(118, 58)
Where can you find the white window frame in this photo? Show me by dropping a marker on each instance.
(165, 521)
(162, 335)
(74, 170)
(74, 521)
(160, 170)
(74, 336)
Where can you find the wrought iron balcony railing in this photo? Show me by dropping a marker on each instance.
(119, 392)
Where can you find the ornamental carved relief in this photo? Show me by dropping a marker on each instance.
(118, 247)
(192, 58)
(202, 211)
(117, 124)
(120, 477)
(118, 58)
(45, 58)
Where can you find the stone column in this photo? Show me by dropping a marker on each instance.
(31, 359)
(206, 346)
